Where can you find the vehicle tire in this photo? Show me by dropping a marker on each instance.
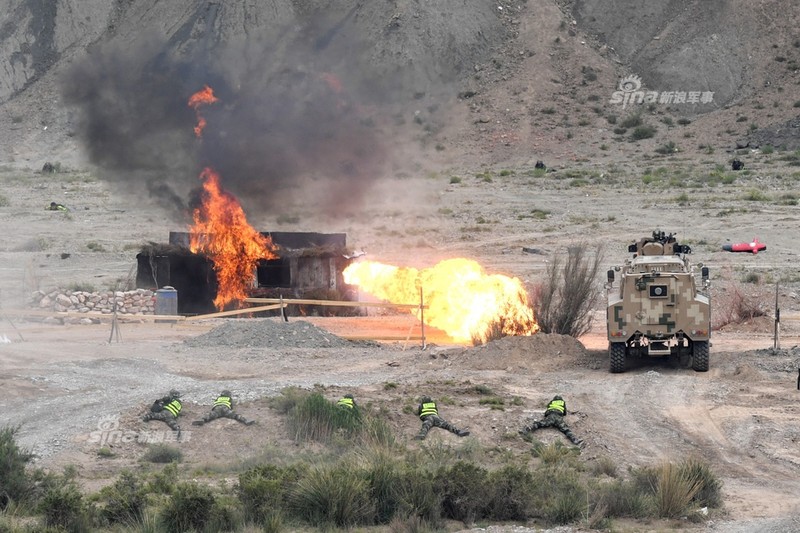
(616, 353)
(700, 356)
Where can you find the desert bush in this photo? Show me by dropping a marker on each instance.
(462, 488)
(667, 148)
(622, 499)
(288, 399)
(555, 453)
(558, 494)
(14, 481)
(3, 200)
(418, 496)
(509, 493)
(63, 507)
(643, 132)
(189, 508)
(734, 306)
(338, 496)
(604, 465)
(564, 302)
(631, 121)
(162, 453)
(164, 482)
(710, 492)
(676, 489)
(124, 501)
(264, 489)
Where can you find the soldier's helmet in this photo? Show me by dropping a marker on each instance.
(557, 397)
(426, 399)
(350, 396)
(226, 392)
(174, 394)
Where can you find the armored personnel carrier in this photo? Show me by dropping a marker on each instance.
(658, 307)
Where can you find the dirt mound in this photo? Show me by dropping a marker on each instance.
(268, 333)
(544, 350)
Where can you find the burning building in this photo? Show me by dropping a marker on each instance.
(306, 265)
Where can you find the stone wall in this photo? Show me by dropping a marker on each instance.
(138, 302)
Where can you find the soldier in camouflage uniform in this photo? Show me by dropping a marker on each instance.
(554, 417)
(223, 408)
(166, 409)
(348, 402)
(429, 415)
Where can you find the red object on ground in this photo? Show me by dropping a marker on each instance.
(750, 247)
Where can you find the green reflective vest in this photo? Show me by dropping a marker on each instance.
(224, 400)
(428, 409)
(559, 406)
(346, 402)
(174, 407)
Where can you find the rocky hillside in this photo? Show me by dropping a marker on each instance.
(335, 95)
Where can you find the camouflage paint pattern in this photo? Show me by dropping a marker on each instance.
(657, 297)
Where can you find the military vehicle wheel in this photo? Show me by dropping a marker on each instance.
(700, 356)
(616, 352)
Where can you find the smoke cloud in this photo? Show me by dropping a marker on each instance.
(292, 108)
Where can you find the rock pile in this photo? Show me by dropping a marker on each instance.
(138, 302)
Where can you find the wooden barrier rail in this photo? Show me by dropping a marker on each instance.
(333, 303)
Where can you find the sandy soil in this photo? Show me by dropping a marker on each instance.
(68, 386)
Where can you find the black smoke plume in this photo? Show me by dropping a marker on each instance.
(287, 115)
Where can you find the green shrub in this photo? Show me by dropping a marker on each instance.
(676, 489)
(15, 485)
(162, 453)
(555, 453)
(124, 501)
(164, 482)
(622, 499)
(462, 488)
(509, 493)
(667, 148)
(62, 506)
(455, 179)
(95, 247)
(643, 132)
(631, 121)
(190, 507)
(265, 489)
(338, 496)
(755, 195)
(494, 402)
(710, 492)
(288, 399)
(558, 495)
(3, 201)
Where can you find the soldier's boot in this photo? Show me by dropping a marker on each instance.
(198, 422)
(178, 430)
(249, 422)
(463, 432)
(422, 434)
(146, 418)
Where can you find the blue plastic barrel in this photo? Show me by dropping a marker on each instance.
(166, 301)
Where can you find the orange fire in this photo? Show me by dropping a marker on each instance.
(461, 299)
(221, 232)
(202, 97)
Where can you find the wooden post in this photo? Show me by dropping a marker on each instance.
(114, 324)
(776, 345)
(283, 310)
